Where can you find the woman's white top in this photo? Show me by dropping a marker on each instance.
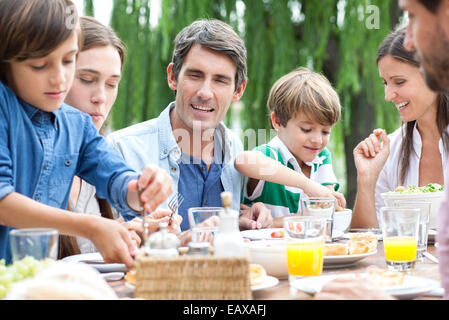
(87, 204)
(388, 178)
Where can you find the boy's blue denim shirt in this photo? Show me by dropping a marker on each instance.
(41, 152)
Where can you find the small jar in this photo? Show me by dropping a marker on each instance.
(162, 243)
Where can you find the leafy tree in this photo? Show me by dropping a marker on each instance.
(338, 38)
(89, 8)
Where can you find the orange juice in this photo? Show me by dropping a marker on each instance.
(305, 259)
(400, 248)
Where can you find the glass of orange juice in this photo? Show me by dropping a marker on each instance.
(400, 227)
(305, 237)
(424, 220)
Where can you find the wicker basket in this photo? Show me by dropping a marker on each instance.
(193, 278)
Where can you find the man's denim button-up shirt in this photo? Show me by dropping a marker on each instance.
(153, 142)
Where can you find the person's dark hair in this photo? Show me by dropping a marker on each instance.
(215, 35)
(96, 34)
(393, 46)
(431, 5)
(33, 29)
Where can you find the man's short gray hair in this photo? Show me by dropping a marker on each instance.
(215, 35)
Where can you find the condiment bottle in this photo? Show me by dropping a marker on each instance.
(228, 242)
(162, 243)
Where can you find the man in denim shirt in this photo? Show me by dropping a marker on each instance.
(189, 139)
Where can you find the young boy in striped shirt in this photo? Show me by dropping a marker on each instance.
(296, 163)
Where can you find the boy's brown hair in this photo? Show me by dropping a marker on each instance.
(33, 29)
(304, 91)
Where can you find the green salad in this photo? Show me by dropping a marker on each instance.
(19, 270)
(431, 187)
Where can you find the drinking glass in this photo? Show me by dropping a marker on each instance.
(322, 208)
(424, 219)
(400, 236)
(39, 243)
(204, 223)
(305, 237)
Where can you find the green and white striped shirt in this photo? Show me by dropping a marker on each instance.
(284, 200)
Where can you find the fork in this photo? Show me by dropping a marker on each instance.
(174, 203)
(143, 215)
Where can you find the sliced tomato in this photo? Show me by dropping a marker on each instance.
(277, 234)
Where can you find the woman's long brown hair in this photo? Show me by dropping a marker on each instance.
(393, 46)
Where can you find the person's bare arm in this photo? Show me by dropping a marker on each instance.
(111, 239)
(255, 165)
(364, 212)
(370, 156)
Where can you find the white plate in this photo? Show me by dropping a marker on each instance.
(348, 234)
(330, 262)
(260, 234)
(130, 285)
(265, 234)
(267, 283)
(95, 260)
(430, 237)
(411, 288)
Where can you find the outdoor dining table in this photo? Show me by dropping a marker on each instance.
(283, 291)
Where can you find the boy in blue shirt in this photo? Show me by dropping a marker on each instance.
(46, 142)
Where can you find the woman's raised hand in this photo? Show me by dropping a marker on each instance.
(371, 154)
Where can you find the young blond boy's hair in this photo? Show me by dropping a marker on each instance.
(304, 91)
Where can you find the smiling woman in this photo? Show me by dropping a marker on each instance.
(414, 154)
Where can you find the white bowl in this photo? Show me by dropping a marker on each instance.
(271, 254)
(342, 220)
(434, 198)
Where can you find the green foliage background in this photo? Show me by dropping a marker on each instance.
(334, 37)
